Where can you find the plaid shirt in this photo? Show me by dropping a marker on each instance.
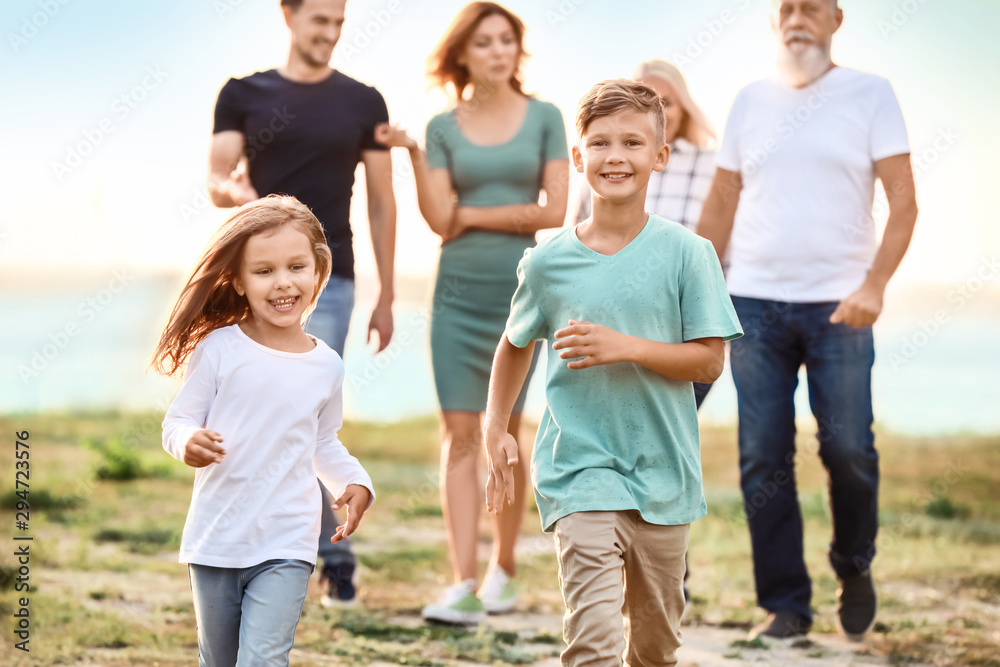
(678, 192)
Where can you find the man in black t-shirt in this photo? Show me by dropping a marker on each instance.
(301, 130)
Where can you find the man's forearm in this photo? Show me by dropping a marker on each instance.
(895, 241)
(719, 211)
(382, 223)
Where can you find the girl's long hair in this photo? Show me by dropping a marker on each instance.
(209, 301)
(443, 65)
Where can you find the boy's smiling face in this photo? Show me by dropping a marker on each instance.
(617, 154)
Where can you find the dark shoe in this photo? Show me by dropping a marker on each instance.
(856, 611)
(339, 583)
(781, 625)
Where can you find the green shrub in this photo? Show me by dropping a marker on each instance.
(943, 508)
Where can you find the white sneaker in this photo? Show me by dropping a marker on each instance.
(457, 605)
(498, 592)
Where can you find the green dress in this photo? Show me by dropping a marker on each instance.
(477, 272)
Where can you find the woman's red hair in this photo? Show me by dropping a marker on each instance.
(444, 67)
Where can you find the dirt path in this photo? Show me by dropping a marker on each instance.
(707, 646)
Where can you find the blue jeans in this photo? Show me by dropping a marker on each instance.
(701, 390)
(329, 322)
(247, 616)
(778, 338)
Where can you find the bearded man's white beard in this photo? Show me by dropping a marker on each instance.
(800, 64)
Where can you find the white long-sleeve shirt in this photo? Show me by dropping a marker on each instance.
(278, 413)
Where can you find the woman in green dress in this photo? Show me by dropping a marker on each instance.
(487, 160)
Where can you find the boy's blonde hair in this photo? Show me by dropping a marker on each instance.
(617, 95)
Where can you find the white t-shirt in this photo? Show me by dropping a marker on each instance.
(803, 230)
(278, 413)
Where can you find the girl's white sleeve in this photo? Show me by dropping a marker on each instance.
(189, 411)
(334, 465)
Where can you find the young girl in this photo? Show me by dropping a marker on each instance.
(272, 394)
(478, 187)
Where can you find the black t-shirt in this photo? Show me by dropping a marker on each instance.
(305, 140)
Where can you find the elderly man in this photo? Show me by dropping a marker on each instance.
(301, 130)
(794, 191)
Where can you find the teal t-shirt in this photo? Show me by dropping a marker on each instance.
(501, 174)
(620, 436)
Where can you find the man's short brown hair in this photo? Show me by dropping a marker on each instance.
(617, 95)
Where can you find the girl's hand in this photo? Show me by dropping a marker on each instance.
(393, 136)
(357, 498)
(202, 448)
(598, 345)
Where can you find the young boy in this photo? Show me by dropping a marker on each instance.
(639, 305)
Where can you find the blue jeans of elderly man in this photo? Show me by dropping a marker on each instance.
(779, 338)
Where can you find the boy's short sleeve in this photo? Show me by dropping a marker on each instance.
(706, 309)
(434, 143)
(526, 321)
(555, 135)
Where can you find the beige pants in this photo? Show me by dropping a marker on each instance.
(594, 550)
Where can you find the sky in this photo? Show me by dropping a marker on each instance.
(108, 109)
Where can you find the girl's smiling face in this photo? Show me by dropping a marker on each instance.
(278, 277)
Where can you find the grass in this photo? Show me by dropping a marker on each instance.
(106, 518)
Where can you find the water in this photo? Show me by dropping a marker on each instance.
(85, 346)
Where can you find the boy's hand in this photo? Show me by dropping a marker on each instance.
(501, 457)
(598, 345)
(357, 498)
(202, 448)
